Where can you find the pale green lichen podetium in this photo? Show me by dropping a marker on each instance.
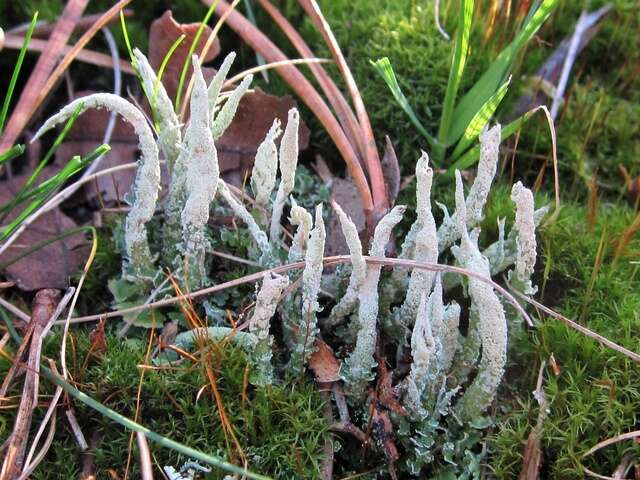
(525, 240)
(311, 277)
(448, 233)
(265, 166)
(426, 244)
(349, 300)
(492, 323)
(423, 350)
(288, 162)
(225, 116)
(259, 237)
(259, 323)
(202, 182)
(358, 366)
(213, 92)
(139, 263)
(168, 125)
(303, 220)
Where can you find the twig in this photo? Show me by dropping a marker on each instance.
(87, 56)
(584, 330)
(146, 470)
(33, 93)
(44, 308)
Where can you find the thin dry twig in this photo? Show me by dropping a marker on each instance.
(87, 56)
(44, 308)
(32, 95)
(146, 470)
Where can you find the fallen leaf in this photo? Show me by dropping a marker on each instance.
(324, 364)
(52, 265)
(238, 146)
(344, 193)
(98, 340)
(163, 33)
(386, 392)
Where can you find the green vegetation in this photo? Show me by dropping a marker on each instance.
(596, 394)
(278, 428)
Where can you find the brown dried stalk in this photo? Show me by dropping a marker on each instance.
(44, 305)
(30, 98)
(86, 56)
(372, 159)
(303, 88)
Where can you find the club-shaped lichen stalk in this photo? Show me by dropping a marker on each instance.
(202, 182)
(139, 261)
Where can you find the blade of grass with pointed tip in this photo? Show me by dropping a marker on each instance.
(472, 155)
(16, 72)
(12, 153)
(73, 166)
(494, 76)
(151, 435)
(125, 34)
(458, 62)
(480, 119)
(187, 60)
(384, 68)
(38, 170)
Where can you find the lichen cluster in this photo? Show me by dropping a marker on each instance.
(454, 372)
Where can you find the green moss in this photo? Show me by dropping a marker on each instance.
(595, 397)
(280, 428)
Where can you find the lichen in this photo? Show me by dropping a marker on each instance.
(202, 182)
(265, 166)
(358, 366)
(311, 278)
(259, 324)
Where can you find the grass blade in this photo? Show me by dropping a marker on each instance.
(384, 68)
(472, 155)
(16, 72)
(151, 435)
(187, 60)
(490, 81)
(12, 153)
(460, 51)
(74, 165)
(38, 170)
(480, 119)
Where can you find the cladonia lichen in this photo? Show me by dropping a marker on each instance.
(259, 323)
(358, 366)
(201, 188)
(311, 278)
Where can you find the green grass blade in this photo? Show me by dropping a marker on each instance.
(12, 153)
(151, 435)
(480, 119)
(187, 61)
(494, 76)
(472, 155)
(162, 68)
(384, 68)
(16, 72)
(460, 51)
(259, 58)
(38, 170)
(127, 42)
(43, 193)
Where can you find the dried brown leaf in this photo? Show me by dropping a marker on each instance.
(324, 364)
(52, 265)
(163, 33)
